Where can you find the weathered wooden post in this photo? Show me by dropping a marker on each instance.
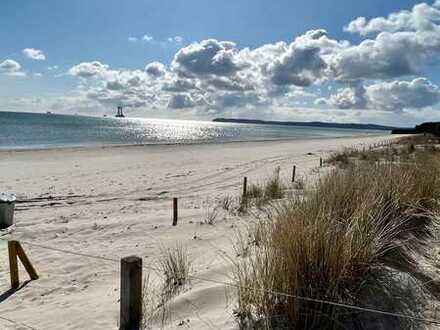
(293, 173)
(16, 250)
(175, 211)
(13, 265)
(320, 161)
(131, 293)
(244, 187)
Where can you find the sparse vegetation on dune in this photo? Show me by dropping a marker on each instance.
(175, 265)
(174, 268)
(356, 238)
(401, 150)
(261, 194)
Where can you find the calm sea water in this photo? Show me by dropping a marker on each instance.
(29, 130)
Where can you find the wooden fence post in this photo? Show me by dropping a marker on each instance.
(245, 187)
(26, 262)
(175, 211)
(13, 265)
(131, 293)
(15, 250)
(293, 173)
(320, 161)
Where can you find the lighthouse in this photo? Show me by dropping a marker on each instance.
(120, 114)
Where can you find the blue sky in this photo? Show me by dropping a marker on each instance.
(45, 42)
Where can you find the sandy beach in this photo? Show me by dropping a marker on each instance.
(115, 202)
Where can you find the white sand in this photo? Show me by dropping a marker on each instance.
(115, 202)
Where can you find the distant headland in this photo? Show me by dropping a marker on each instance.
(311, 124)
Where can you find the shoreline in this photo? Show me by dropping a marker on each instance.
(143, 145)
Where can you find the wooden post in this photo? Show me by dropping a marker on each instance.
(293, 173)
(13, 265)
(245, 187)
(320, 162)
(175, 211)
(131, 293)
(16, 250)
(26, 262)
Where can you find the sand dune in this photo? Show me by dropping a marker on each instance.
(116, 201)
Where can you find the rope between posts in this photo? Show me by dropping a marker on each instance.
(282, 294)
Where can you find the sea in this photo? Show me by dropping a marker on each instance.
(19, 130)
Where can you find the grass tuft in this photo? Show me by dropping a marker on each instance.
(175, 265)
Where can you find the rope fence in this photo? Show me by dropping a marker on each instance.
(232, 285)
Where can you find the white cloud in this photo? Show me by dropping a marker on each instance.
(9, 66)
(34, 54)
(177, 39)
(88, 69)
(155, 69)
(394, 96)
(398, 95)
(16, 74)
(207, 57)
(349, 98)
(211, 76)
(147, 38)
(181, 101)
(422, 17)
(132, 39)
(303, 62)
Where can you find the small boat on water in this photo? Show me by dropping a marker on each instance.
(120, 114)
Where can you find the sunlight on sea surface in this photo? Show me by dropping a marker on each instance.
(29, 130)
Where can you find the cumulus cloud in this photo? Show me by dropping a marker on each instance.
(155, 69)
(406, 41)
(352, 97)
(10, 66)
(88, 69)
(213, 75)
(206, 57)
(422, 17)
(398, 95)
(181, 101)
(147, 38)
(390, 55)
(301, 64)
(394, 96)
(34, 54)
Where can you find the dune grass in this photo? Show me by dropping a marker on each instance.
(400, 150)
(262, 194)
(356, 238)
(175, 265)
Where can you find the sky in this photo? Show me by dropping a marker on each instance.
(338, 61)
